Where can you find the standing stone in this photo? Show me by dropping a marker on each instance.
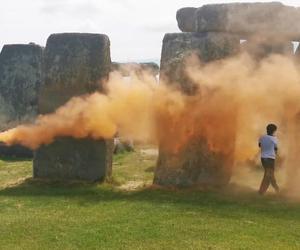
(194, 164)
(207, 46)
(74, 64)
(20, 77)
(259, 49)
(293, 157)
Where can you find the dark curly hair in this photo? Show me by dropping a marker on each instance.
(271, 128)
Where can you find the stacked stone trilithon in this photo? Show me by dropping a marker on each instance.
(74, 64)
(213, 32)
(20, 77)
(267, 27)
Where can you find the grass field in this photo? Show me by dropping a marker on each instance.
(128, 214)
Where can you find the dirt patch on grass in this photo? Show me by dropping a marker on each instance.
(150, 152)
(133, 185)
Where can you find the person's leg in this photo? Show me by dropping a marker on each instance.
(265, 182)
(266, 179)
(273, 180)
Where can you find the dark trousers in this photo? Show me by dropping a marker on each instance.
(269, 177)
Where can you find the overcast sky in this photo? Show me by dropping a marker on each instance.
(135, 27)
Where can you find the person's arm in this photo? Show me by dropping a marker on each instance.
(276, 146)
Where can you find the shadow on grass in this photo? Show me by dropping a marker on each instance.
(14, 159)
(233, 202)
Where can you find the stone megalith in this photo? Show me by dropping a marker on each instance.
(20, 77)
(246, 19)
(207, 46)
(74, 64)
(186, 19)
(293, 157)
(194, 164)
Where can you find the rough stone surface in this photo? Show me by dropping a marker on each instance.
(247, 19)
(261, 49)
(207, 46)
(20, 77)
(73, 159)
(194, 164)
(16, 151)
(186, 19)
(74, 64)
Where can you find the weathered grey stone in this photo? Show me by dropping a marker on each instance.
(263, 48)
(186, 19)
(207, 46)
(20, 77)
(247, 19)
(15, 151)
(193, 164)
(74, 159)
(74, 64)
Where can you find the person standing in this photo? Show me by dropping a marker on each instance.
(269, 146)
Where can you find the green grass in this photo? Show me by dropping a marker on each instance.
(36, 215)
(136, 167)
(14, 170)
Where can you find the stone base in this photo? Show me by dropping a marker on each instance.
(74, 159)
(193, 165)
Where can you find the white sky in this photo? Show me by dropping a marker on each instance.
(135, 27)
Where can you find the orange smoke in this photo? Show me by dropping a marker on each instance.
(126, 109)
(232, 91)
(237, 97)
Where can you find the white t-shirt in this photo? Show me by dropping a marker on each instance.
(268, 144)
